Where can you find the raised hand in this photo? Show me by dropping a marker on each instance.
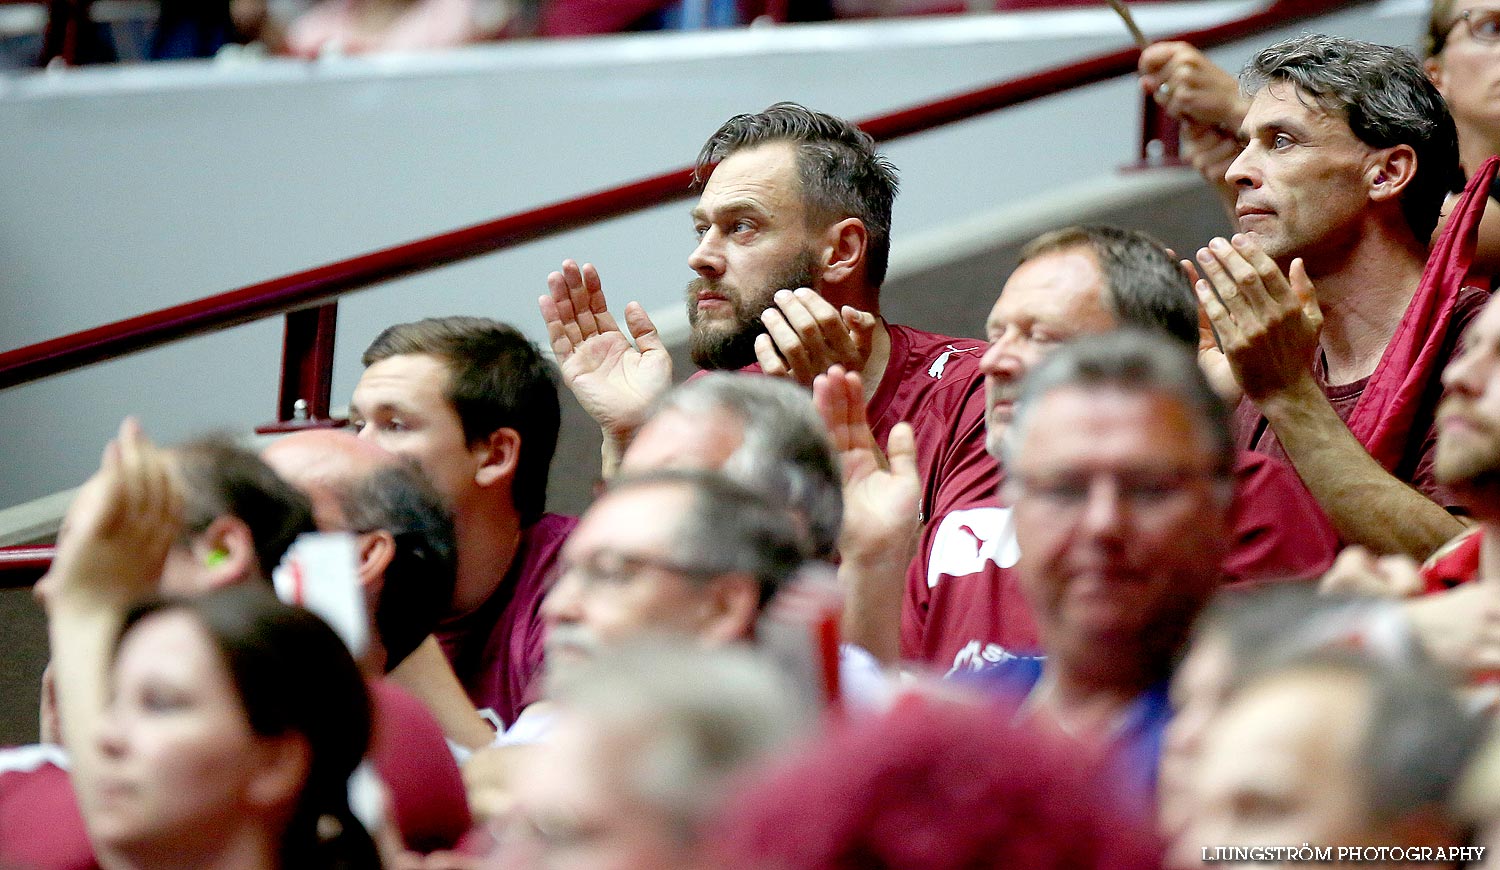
(114, 539)
(1190, 87)
(1211, 358)
(1267, 323)
(805, 336)
(615, 382)
(881, 499)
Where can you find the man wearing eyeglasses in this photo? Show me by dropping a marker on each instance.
(1120, 467)
(679, 553)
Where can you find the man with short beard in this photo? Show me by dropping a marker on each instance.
(793, 224)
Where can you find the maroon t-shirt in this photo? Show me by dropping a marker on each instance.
(496, 649)
(933, 382)
(964, 607)
(1253, 432)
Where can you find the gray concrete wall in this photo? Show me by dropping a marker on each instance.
(128, 190)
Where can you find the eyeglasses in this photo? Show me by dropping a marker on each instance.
(1483, 24)
(611, 568)
(1140, 490)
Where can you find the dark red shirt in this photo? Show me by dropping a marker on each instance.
(964, 606)
(933, 382)
(1253, 432)
(412, 758)
(496, 649)
(40, 824)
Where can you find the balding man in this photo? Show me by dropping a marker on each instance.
(964, 606)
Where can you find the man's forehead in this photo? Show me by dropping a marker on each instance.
(635, 516)
(1282, 101)
(1314, 710)
(1104, 422)
(402, 377)
(677, 439)
(754, 175)
(325, 454)
(1068, 281)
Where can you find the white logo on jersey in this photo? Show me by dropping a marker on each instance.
(935, 371)
(976, 655)
(965, 540)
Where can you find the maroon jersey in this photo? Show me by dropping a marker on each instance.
(933, 382)
(964, 607)
(1253, 432)
(496, 649)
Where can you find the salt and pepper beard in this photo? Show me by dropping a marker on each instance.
(731, 345)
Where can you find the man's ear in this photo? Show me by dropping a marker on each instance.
(1435, 73)
(498, 457)
(375, 551)
(845, 246)
(731, 605)
(227, 551)
(1391, 170)
(283, 766)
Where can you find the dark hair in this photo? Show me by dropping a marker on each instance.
(418, 583)
(1144, 287)
(841, 173)
(1440, 23)
(293, 675)
(221, 478)
(496, 379)
(1136, 360)
(729, 528)
(1387, 100)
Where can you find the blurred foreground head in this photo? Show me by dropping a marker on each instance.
(645, 745)
(1334, 748)
(931, 786)
(762, 433)
(403, 533)
(233, 725)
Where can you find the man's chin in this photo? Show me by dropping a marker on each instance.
(717, 349)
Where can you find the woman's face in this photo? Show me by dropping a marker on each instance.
(178, 762)
(1467, 70)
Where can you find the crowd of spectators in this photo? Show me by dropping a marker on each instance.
(178, 29)
(1186, 562)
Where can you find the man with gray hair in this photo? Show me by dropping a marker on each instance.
(762, 433)
(674, 552)
(1120, 467)
(1333, 330)
(646, 744)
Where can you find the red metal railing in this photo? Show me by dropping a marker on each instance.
(21, 566)
(304, 296)
(313, 286)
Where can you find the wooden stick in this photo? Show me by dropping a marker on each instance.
(1135, 30)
